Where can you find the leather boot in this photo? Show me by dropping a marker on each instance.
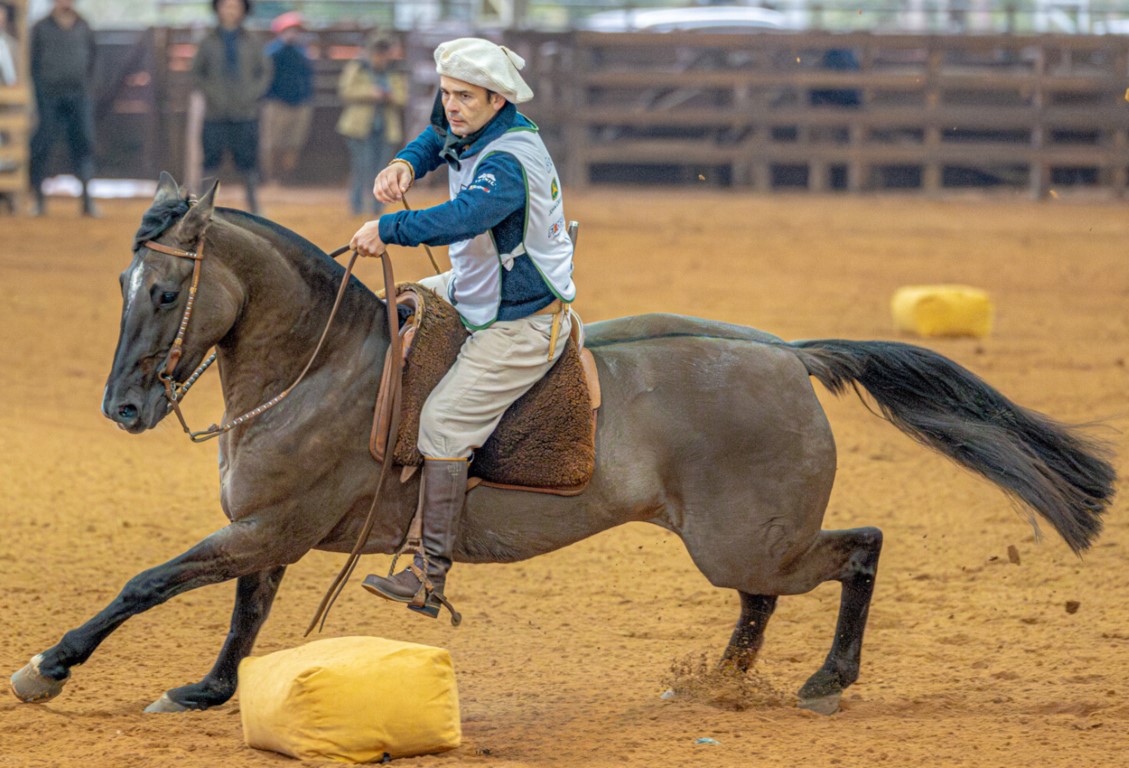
(421, 584)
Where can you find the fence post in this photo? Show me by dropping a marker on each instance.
(15, 114)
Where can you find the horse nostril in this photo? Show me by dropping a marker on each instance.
(127, 412)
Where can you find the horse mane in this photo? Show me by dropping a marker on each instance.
(232, 215)
(162, 214)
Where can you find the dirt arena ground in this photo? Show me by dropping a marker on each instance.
(971, 659)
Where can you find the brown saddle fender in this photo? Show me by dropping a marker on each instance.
(546, 441)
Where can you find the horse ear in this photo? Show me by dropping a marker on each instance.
(191, 227)
(167, 189)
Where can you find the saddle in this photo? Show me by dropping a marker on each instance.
(545, 442)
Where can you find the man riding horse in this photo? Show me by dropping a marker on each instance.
(510, 279)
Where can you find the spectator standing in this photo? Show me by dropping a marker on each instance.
(233, 72)
(289, 106)
(374, 94)
(62, 71)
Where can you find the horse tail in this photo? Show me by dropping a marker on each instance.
(1062, 475)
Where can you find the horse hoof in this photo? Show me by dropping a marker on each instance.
(30, 686)
(821, 705)
(164, 705)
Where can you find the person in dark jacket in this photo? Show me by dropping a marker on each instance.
(233, 73)
(62, 69)
(289, 106)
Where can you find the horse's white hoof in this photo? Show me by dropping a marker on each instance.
(821, 705)
(30, 686)
(165, 704)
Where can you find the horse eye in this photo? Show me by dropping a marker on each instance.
(168, 297)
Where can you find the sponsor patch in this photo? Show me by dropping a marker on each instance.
(555, 189)
(484, 182)
(556, 228)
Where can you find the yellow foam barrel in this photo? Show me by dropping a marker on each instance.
(942, 310)
(350, 700)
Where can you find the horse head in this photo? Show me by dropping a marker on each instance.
(155, 344)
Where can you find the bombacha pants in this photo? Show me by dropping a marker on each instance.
(495, 367)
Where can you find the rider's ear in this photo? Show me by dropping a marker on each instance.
(167, 189)
(192, 226)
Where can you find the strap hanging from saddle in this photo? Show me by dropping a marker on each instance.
(545, 441)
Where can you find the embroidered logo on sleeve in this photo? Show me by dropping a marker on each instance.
(554, 189)
(484, 182)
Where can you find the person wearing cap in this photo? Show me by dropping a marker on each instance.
(510, 279)
(233, 73)
(288, 107)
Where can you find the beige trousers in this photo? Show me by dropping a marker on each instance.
(495, 367)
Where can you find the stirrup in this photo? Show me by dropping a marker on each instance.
(431, 604)
(426, 600)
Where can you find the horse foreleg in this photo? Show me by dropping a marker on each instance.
(748, 635)
(254, 595)
(852, 557)
(237, 550)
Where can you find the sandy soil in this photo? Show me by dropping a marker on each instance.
(970, 660)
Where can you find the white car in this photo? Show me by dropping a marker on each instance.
(712, 18)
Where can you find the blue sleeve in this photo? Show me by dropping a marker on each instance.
(497, 191)
(423, 152)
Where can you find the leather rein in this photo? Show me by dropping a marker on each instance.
(175, 391)
(389, 426)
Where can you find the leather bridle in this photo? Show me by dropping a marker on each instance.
(389, 426)
(175, 391)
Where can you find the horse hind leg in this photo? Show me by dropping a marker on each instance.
(254, 595)
(748, 635)
(851, 558)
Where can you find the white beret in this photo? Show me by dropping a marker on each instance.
(485, 64)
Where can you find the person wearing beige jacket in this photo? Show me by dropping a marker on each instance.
(374, 95)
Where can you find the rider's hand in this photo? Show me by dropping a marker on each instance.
(392, 183)
(367, 240)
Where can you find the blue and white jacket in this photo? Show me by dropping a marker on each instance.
(509, 248)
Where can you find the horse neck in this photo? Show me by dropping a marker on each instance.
(287, 297)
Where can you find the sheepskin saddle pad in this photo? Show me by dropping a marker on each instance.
(546, 440)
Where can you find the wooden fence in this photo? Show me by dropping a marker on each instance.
(821, 111)
(761, 110)
(15, 108)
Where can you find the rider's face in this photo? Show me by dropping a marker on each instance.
(468, 107)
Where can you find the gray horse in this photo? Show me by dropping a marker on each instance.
(709, 430)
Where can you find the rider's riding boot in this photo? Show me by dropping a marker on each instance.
(442, 494)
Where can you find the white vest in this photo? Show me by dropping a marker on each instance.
(477, 266)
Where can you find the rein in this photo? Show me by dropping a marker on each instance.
(175, 391)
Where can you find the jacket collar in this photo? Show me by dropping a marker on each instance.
(457, 148)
